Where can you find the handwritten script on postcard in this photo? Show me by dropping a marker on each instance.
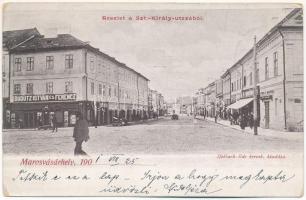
(121, 175)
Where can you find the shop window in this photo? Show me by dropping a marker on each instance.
(49, 62)
(100, 89)
(17, 89)
(68, 61)
(68, 87)
(275, 56)
(18, 64)
(49, 87)
(92, 88)
(266, 68)
(29, 88)
(30, 63)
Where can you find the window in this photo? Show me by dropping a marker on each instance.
(115, 92)
(30, 88)
(275, 56)
(266, 68)
(68, 87)
(49, 87)
(100, 89)
(257, 73)
(17, 88)
(92, 88)
(49, 62)
(92, 64)
(244, 81)
(275, 106)
(68, 61)
(18, 64)
(251, 78)
(232, 86)
(104, 90)
(110, 91)
(30, 63)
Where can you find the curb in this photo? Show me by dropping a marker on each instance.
(211, 121)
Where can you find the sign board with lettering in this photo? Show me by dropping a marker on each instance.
(45, 97)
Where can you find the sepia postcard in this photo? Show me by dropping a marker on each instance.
(152, 99)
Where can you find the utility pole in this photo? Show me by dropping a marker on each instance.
(255, 89)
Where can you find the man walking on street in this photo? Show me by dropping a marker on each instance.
(80, 134)
(54, 122)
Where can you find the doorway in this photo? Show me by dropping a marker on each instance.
(29, 121)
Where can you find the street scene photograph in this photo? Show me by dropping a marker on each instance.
(152, 99)
(93, 79)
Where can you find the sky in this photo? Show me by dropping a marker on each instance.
(178, 57)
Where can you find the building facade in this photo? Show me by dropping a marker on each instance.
(280, 69)
(11, 40)
(278, 75)
(64, 76)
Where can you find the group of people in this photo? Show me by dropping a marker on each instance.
(243, 119)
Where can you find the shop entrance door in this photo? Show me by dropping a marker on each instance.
(267, 114)
(29, 120)
(46, 118)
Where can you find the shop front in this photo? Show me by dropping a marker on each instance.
(33, 111)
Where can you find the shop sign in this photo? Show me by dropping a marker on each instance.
(266, 93)
(45, 97)
(266, 97)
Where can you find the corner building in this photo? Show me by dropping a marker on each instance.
(63, 76)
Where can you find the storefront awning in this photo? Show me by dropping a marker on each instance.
(240, 103)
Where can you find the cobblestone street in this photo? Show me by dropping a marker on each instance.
(163, 136)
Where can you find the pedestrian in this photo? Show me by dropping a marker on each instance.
(80, 134)
(242, 121)
(251, 120)
(54, 123)
(216, 117)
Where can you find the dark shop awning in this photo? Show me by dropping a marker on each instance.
(240, 103)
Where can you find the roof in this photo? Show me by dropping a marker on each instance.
(41, 43)
(64, 41)
(16, 37)
(293, 20)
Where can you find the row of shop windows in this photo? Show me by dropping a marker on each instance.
(32, 119)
